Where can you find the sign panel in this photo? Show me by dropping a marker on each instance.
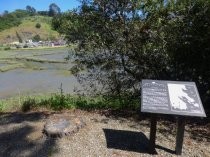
(171, 97)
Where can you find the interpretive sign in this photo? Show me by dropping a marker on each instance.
(171, 97)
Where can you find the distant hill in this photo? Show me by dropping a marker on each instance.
(29, 28)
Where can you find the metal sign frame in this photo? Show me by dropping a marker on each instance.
(171, 97)
(162, 97)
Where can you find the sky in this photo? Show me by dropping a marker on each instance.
(42, 5)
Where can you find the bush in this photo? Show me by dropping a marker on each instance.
(60, 101)
(1, 106)
(7, 48)
(28, 104)
(12, 19)
(38, 25)
(36, 38)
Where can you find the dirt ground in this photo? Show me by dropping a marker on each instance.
(106, 134)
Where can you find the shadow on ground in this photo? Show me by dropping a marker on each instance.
(197, 128)
(126, 140)
(18, 117)
(15, 136)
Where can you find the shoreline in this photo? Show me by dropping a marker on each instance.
(36, 48)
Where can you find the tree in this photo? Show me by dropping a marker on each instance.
(6, 12)
(43, 13)
(54, 10)
(31, 10)
(19, 13)
(12, 19)
(122, 42)
(114, 45)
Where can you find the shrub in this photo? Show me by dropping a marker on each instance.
(7, 48)
(38, 25)
(28, 104)
(60, 101)
(1, 106)
(36, 38)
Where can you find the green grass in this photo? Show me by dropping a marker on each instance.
(11, 67)
(34, 51)
(27, 30)
(15, 103)
(33, 59)
(20, 59)
(60, 101)
(4, 54)
(43, 48)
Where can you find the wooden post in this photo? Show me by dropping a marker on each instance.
(180, 135)
(153, 127)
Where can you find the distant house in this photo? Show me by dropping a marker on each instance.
(14, 43)
(29, 41)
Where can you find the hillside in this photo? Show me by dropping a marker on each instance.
(27, 30)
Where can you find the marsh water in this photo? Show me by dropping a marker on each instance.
(38, 75)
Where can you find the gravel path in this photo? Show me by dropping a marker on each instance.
(103, 136)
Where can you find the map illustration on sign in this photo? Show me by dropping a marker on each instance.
(183, 98)
(171, 97)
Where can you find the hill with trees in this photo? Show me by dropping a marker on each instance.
(29, 28)
(21, 25)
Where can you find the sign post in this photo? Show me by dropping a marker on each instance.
(173, 98)
(180, 135)
(153, 128)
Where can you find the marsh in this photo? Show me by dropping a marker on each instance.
(35, 71)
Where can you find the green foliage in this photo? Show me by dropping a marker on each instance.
(5, 105)
(30, 10)
(28, 104)
(1, 106)
(43, 13)
(7, 48)
(8, 20)
(54, 9)
(37, 38)
(19, 13)
(6, 23)
(122, 42)
(59, 102)
(12, 19)
(38, 25)
(27, 30)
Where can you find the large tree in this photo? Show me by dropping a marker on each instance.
(54, 9)
(122, 42)
(31, 10)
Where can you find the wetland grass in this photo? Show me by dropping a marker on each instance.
(11, 67)
(60, 101)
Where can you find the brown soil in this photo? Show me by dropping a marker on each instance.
(106, 134)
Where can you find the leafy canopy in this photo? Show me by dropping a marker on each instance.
(122, 42)
(54, 9)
